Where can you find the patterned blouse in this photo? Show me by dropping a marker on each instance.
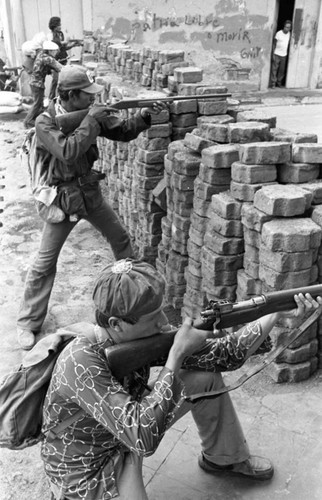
(82, 462)
(42, 67)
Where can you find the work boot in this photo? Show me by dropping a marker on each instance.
(26, 338)
(254, 468)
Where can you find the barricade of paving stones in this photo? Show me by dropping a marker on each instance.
(225, 204)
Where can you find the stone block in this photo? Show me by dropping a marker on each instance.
(177, 261)
(299, 355)
(282, 201)
(307, 153)
(151, 157)
(293, 279)
(166, 56)
(284, 372)
(216, 263)
(183, 107)
(186, 163)
(257, 115)
(176, 146)
(182, 182)
(224, 205)
(199, 222)
(180, 132)
(215, 176)
(162, 130)
(253, 174)
(251, 267)
(252, 238)
(244, 132)
(295, 173)
(204, 190)
(252, 252)
(194, 250)
(285, 262)
(185, 120)
(223, 245)
(246, 192)
(253, 218)
(249, 285)
(279, 335)
(200, 206)
(225, 227)
(291, 235)
(216, 132)
(265, 153)
(315, 187)
(212, 107)
(181, 223)
(157, 143)
(214, 119)
(192, 280)
(188, 75)
(220, 156)
(196, 236)
(196, 143)
(282, 135)
(219, 292)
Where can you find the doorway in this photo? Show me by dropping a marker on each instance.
(284, 12)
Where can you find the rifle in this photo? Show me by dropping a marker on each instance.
(68, 122)
(129, 356)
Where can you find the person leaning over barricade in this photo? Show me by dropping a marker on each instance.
(100, 455)
(65, 163)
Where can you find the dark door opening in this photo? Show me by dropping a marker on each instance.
(285, 12)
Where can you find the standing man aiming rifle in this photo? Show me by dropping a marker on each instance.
(66, 162)
(119, 422)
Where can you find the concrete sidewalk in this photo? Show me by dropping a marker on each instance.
(282, 422)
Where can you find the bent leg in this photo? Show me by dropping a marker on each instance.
(222, 438)
(106, 221)
(41, 276)
(37, 106)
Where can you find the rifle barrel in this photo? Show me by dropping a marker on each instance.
(142, 103)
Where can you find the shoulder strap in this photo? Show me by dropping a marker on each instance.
(265, 362)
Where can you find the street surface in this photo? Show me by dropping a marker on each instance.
(298, 118)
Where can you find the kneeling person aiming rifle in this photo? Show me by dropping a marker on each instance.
(121, 421)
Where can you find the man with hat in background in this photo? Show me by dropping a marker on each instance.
(118, 422)
(66, 162)
(57, 36)
(44, 63)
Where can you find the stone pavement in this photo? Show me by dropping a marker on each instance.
(282, 422)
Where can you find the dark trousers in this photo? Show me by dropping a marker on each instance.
(278, 69)
(53, 86)
(37, 106)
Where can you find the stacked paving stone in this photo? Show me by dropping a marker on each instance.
(181, 168)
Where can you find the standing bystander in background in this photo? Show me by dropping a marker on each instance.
(280, 50)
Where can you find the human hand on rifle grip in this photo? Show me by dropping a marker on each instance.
(155, 109)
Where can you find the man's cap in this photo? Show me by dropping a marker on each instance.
(128, 289)
(48, 45)
(77, 77)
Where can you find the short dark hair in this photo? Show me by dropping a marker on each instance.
(54, 22)
(64, 94)
(287, 22)
(103, 319)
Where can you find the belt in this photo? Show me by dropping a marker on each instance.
(94, 176)
(88, 179)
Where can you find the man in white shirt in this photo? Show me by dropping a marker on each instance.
(280, 49)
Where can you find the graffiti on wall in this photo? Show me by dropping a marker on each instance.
(212, 32)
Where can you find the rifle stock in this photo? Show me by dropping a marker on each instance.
(130, 356)
(69, 122)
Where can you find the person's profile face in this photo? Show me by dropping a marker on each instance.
(287, 28)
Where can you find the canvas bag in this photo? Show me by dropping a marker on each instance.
(43, 193)
(23, 390)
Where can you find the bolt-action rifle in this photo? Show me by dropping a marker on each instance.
(129, 356)
(68, 122)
